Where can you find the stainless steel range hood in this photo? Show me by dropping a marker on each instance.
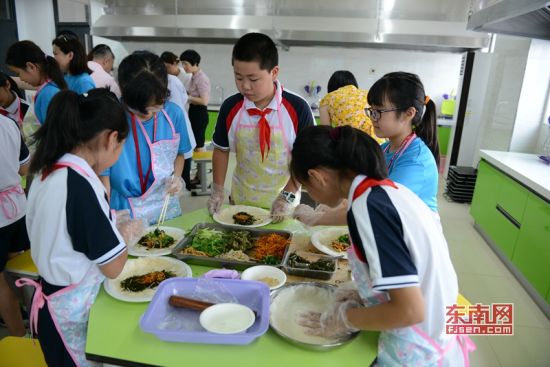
(421, 25)
(528, 18)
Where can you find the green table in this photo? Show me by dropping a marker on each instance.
(114, 336)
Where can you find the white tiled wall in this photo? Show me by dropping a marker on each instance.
(529, 130)
(301, 65)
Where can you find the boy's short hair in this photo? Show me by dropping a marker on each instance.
(191, 56)
(256, 47)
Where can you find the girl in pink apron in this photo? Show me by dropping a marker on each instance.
(152, 160)
(33, 66)
(74, 242)
(14, 160)
(399, 256)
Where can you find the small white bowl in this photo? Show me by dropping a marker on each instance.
(227, 318)
(261, 272)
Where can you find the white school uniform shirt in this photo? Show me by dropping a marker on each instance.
(178, 95)
(404, 247)
(69, 225)
(13, 154)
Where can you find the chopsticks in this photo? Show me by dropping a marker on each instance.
(164, 209)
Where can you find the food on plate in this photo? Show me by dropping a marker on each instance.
(271, 282)
(297, 261)
(191, 251)
(234, 255)
(244, 219)
(270, 248)
(210, 241)
(156, 239)
(240, 240)
(138, 283)
(341, 244)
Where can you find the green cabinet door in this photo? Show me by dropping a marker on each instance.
(443, 135)
(491, 205)
(532, 253)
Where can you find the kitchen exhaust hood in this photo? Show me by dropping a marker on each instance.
(528, 18)
(434, 25)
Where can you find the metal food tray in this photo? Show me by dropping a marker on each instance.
(308, 273)
(224, 263)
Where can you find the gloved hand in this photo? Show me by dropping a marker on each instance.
(347, 292)
(130, 229)
(332, 323)
(309, 216)
(280, 209)
(216, 198)
(173, 186)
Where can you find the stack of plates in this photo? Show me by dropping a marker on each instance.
(461, 182)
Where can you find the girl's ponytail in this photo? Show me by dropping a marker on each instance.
(427, 129)
(59, 133)
(53, 72)
(73, 120)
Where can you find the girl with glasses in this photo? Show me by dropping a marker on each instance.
(401, 112)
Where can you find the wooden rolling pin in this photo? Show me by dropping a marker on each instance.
(192, 304)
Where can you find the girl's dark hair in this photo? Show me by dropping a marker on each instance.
(404, 90)
(100, 51)
(22, 52)
(343, 149)
(78, 64)
(143, 79)
(340, 79)
(13, 85)
(169, 57)
(256, 47)
(191, 56)
(73, 120)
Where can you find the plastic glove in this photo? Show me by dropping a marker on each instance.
(130, 229)
(347, 292)
(309, 216)
(332, 323)
(174, 186)
(280, 209)
(216, 199)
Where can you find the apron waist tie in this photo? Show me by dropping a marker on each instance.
(38, 301)
(466, 345)
(5, 199)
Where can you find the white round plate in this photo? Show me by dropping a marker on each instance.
(140, 266)
(259, 272)
(137, 250)
(227, 318)
(225, 216)
(324, 237)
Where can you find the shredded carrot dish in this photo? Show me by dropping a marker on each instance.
(270, 247)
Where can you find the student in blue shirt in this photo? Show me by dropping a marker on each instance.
(402, 112)
(152, 159)
(71, 57)
(33, 66)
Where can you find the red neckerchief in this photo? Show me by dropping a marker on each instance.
(143, 179)
(402, 147)
(265, 130)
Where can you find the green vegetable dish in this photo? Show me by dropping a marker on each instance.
(156, 239)
(296, 261)
(138, 283)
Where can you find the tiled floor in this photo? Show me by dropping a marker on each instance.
(484, 279)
